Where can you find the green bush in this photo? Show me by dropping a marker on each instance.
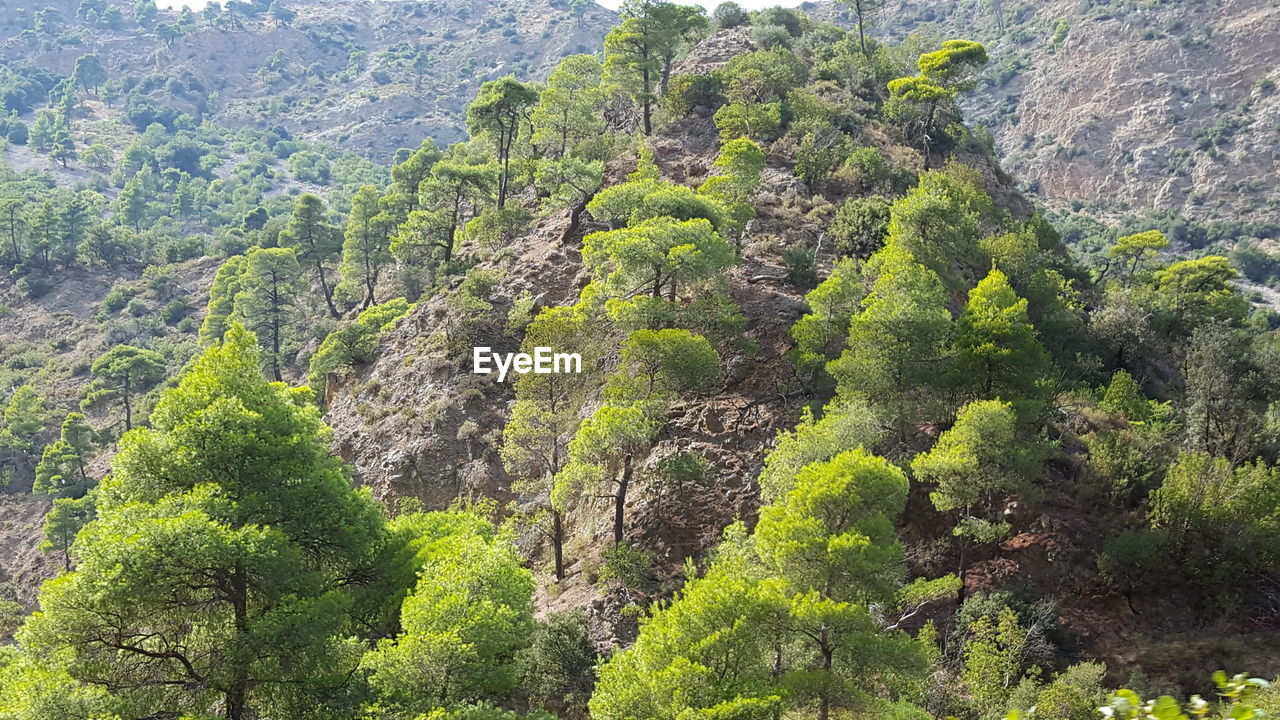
(630, 567)
(175, 311)
(687, 92)
(559, 664)
(1135, 562)
(32, 287)
(860, 226)
(770, 36)
(801, 267)
(729, 15)
(18, 133)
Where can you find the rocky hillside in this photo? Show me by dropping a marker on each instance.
(417, 423)
(1124, 107)
(369, 77)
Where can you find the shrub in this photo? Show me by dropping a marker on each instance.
(18, 133)
(801, 267)
(559, 663)
(175, 311)
(860, 226)
(33, 286)
(1135, 561)
(770, 36)
(729, 15)
(687, 92)
(630, 567)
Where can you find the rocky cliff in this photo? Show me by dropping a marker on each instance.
(1123, 107)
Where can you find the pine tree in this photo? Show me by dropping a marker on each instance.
(22, 420)
(128, 370)
(657, 368)
(547, 414)
(365, 251)
(90, 73)
(464, 625)
(639, 53)
(459, 185)
(267, 301)
(865, 11)
(897, 345)
(1123, 396)
(997, 354)
(314, 240)
(63, 523)
(568, 109)
(977, 462)
(222, 298)
(218, 574)
(407, 176)
(831, 540)
(657, 256)
(61, 470)
(500, 112)
(131, 203)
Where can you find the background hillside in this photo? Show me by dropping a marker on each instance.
(370, 77)
(1124, 108)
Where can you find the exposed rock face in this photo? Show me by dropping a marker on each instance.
(417, 422)
(716, 51)
(22, 564)
(1122, 107)
(1181, 121)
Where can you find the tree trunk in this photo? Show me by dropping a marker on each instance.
(13, 239)
(504, 157)
(648, 124)
(370, 282)
(862, 35)
(275, 351)
(620, 500)
(824, 696)
(557, 542)
(575, 218)
(328, 294)
(128, 409)
(238, 690)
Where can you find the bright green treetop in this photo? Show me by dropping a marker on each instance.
(997, 353)
(129, 370)
(215, 576)
(61, 469)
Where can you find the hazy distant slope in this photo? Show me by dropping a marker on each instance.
(339, 72)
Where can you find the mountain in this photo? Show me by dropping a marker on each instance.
(370, 77)
(1122, 108)
(859, 416)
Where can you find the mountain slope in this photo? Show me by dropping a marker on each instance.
(346, 74)
(1125, 107)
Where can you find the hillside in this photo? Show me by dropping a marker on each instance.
(853, 412)
(1120, 108)
(369, 77)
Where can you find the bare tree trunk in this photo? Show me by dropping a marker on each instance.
(557, 542)
(328, 294)
(237, 692)
(620, 500)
